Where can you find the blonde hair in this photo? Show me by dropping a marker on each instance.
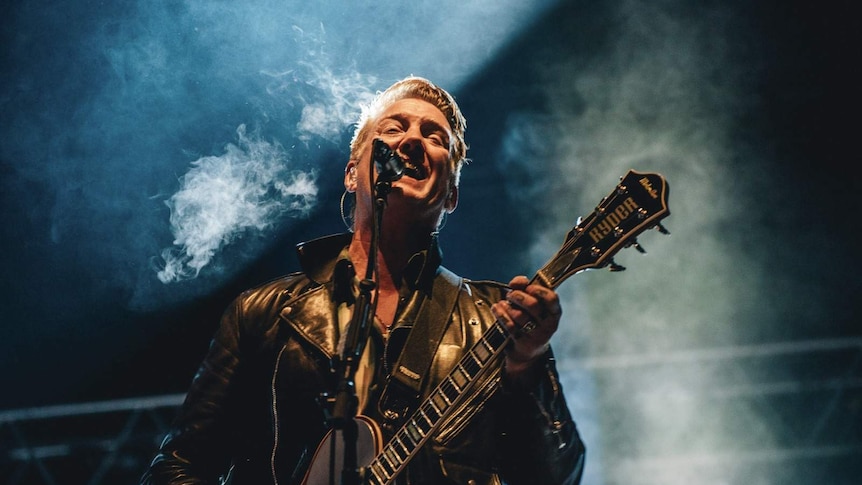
(419, 88)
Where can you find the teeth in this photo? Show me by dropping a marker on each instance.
(414, 171)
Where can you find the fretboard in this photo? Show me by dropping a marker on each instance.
(439, 405)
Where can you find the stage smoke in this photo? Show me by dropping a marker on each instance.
(329, 101)
(248, 188)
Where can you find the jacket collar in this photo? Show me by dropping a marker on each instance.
(324, 261)
(319, 258)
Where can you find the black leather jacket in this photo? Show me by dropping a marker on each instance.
(253, 406)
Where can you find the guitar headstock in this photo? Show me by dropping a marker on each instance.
(637, 204)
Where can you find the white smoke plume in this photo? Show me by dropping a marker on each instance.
(330, 101)
(247, 188)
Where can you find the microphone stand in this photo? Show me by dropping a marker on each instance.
(346, 401)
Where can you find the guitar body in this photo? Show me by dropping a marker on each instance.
(327, 462)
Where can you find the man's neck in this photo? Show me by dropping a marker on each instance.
(393, 253)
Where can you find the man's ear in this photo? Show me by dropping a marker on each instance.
(452, 198)
(350, 176)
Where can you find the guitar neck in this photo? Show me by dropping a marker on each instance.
(439, 405)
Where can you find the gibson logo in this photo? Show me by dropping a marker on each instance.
(612, 219)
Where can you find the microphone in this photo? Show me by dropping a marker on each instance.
(389, 165)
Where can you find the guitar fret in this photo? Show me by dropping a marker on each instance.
(383, 473)
(449, 391)
(440, 400)
(435, 407)
(430, 410)
(474, 357)
(392, 457)
(404, 449)
(414, 431)
(399, 455)
(496, 336)
(459, 377)
(453, 385)
(385, 466)
(405, 437)
(387, 463)
(376, 473)
(483, 351)
(420, 412)
(470, 366)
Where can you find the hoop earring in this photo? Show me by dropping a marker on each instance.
(348, 223)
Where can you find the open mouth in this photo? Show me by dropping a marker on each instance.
(413, 171)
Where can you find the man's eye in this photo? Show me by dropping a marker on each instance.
(440, 140)
(390, 129)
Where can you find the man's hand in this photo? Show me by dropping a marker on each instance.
(532, 314)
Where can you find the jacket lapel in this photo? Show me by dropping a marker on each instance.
(312, 316)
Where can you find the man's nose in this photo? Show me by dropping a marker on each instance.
(411, 144)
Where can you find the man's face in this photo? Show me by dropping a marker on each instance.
(419, 133)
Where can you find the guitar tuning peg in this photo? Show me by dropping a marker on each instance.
(614, 267)
(662, 229)
(634, 243)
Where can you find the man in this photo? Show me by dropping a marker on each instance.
(256, 406)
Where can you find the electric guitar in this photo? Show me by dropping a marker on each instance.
(635, 205)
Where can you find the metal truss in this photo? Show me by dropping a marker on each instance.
(108, 442)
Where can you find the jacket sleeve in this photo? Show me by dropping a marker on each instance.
(196, 449)
(539, 441)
